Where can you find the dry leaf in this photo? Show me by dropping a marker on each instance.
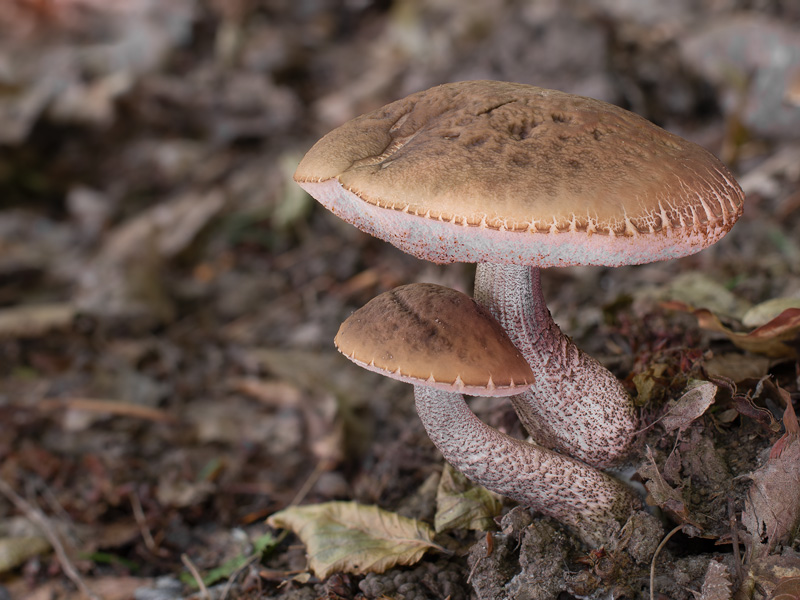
(763, 313)
(737, 366)
(716, 584)
(771, 510)
(771, 571)
(355, 538)
(787, 589)
(461, 504)
(790, 424)
(660, 493)
(771, 339)
(35, 320)
(650, 384)
(16, 550)
(694, 402)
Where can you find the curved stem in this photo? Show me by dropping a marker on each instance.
(583, 498)
(576, 405)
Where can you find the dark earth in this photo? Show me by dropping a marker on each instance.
(169, 297)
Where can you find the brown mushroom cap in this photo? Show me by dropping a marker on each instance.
(431, 335)
(487, 171)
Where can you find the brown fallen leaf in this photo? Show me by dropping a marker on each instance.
(772, 512)
(788, 588)
(690, 406)
(770, 571)
(775, 338)
(660, 493)
(716, 584)
(736, 366)
(355, 538)
(790, 424)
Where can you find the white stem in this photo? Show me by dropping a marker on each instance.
(576, 406)
(583, 498)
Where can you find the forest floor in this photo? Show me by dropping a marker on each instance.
(168, 300)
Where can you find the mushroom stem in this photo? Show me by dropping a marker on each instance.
(586, 500)
(576, 405)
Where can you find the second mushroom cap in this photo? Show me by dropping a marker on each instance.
(427, 334)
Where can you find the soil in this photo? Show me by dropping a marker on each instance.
(168, 299)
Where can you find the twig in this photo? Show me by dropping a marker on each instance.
(737, 559)
(308, 484)
(489, 550)
(653, 562)
(141, 521)
(196, 574)
(43, 523)
(235, 575)
(109, 407)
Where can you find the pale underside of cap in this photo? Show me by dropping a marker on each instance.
(434, 336)
(499, 172)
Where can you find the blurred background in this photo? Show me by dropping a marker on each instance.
(168, 297)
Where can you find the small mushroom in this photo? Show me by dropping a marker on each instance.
(435, 336)
(446, 344)
(518, 178)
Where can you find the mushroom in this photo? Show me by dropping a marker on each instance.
(446, 344)
(519, 178)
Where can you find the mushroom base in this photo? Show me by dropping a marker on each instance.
(591, 503)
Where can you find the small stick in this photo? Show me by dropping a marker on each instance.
(235, 575)
(109, 407)
(737, 559)
(36, 516)
(196, 574)
(141, 521)
(308, 484)
(489, 550)
(653, 562)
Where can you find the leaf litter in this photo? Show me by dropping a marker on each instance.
(167, 300)
(355, 538)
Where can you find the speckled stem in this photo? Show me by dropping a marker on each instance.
(576, 406)
(591, 503)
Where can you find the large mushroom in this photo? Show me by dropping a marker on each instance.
(517, 178)
(446, 344)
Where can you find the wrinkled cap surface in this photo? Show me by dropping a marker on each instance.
(487, 171)
(431, 335)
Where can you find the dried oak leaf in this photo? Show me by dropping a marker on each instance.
(461, 504)
(355, 538)
(771, 509)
